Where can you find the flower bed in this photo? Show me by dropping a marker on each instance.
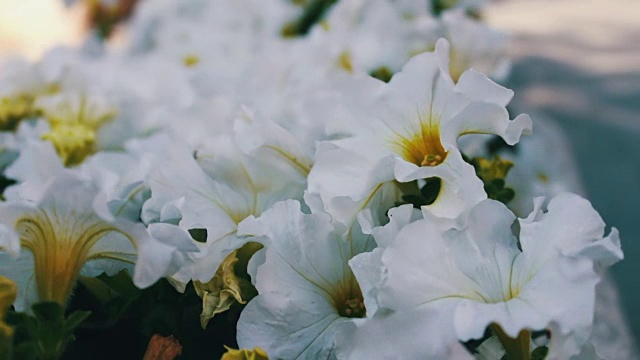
(289, 179)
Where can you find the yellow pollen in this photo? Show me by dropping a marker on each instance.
(422, 147)
(324, 24)
(382, 73)
(348, 299)
(74, 127)
(408, 16)
(60, 248)
(431, 160)
(344, 62)
(14, 109)
(73, 142)
(191, 60)
(354, 308)
(17, 107)
(543, 178)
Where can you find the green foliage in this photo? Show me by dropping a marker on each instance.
(497, 145)
(496, 190)
(426, 195)
(439, 6)
(540, 353)
(493, 173)
(45, 334)
(115, 294)
(382, 73)
(199, 235)
(124, 318)
(5, 183)
(312, 13)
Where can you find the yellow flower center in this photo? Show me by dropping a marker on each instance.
(348, 299)
(73, 142)
(60, 248)
(74, 128)
(542, 177)
(324, 24)
(191, 60)
(353, 308)
(17, 107)
(14, 109)
(423, 146)
(344, 62)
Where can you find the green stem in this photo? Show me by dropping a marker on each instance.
(516, 349)
(6, 342)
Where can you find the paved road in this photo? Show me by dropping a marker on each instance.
(578, 61)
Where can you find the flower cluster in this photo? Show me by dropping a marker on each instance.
(328, 167)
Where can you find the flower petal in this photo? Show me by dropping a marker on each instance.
(419, 333)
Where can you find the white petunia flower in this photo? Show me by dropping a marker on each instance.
(419, 333)
(214, 34)
(20, 84)
(237, 175)
(407, 130)
(49, 242)
(74, 120)
(545, 279)
(474, 45)
(363, 37)
(36, 164)
(307, 291)
(268, 142)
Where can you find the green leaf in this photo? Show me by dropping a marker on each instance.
(415, 200)
(505, 195)
(75, 319)
(439, 6)
(121, 283)
(382, 73)
(25, 351)
(199, 235)
(46, 334)
(423, 196)
(493, 174)
(313, 12)
(540, 353)
(115, 294)
(498, 145)
(431, 189)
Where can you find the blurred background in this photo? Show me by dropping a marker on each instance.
(576, 61)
